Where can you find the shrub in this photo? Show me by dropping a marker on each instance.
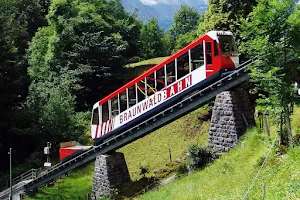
(296, 139)
(144, 170)
(198, 157)
(182, 169)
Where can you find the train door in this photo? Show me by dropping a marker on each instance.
(208, 58)
(96, 120)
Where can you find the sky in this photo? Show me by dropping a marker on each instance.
(155, 2)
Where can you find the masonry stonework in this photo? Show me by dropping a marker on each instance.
(110, 170)
(232, 114)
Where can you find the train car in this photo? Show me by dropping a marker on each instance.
(193, 67)
(67, 153)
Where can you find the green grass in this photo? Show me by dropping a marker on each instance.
(231, 175)
(151, 151)
(227, 178)
(152, 61)
(75, 186)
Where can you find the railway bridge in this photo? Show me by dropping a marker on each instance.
(234, 118)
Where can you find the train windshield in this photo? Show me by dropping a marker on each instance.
(228, 46)
(95, 117)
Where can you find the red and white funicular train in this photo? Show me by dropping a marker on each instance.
(199, 63)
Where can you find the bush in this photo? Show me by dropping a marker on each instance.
(296, 139)
(198, 157)
(144, 170)
(182, 169)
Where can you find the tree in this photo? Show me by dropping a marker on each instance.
(151, 42)
(183, 29)
(185, 21)
(225, 15)
(74, 62)
(185, 39)
(91, 44)
(19, 19)
(272, 32)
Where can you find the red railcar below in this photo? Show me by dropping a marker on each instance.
(67, 153)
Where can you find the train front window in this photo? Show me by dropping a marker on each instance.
(95, 117)
(227, 44)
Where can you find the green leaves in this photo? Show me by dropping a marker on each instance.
(74, 62)
(183, 29)
(270, 34)
(185, 21)
(225, 15)
(151, 43)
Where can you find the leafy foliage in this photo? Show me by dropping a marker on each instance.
(225, 15)
(183, 30)
(151, 43)
(185, 21)
(271, 33)
(182, 169)
(185, 39)
(144, 170)
(72, 63)
(19, 19)
(74, 59)
(198, 157)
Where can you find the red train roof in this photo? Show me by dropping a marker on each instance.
(156, 67)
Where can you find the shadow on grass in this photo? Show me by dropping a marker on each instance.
(135, 188)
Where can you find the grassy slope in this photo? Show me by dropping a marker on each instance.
(230, 176)
(152, 61)
(75, 186)
(151, 151)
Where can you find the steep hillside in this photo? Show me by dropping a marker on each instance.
(151, 151)
(231, 176)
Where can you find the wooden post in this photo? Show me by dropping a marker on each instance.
(267, 125)
(260, 121)
(170, 156)
(264, 191)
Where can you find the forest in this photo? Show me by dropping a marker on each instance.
(59, 57)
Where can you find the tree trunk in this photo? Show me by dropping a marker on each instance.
(288, 124)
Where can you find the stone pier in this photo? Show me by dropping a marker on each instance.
(110, 171)
(232, 114)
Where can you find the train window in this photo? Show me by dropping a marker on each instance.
(105, 112)
(123, 101)
(208, 53)
(114, 106)
(95, 118)
(141, 90)
(227, 44)
(132, 96)
(160, 79)
(183, 65)
(216, 51)
(171, 74)
(197, 56)
(150, 85)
